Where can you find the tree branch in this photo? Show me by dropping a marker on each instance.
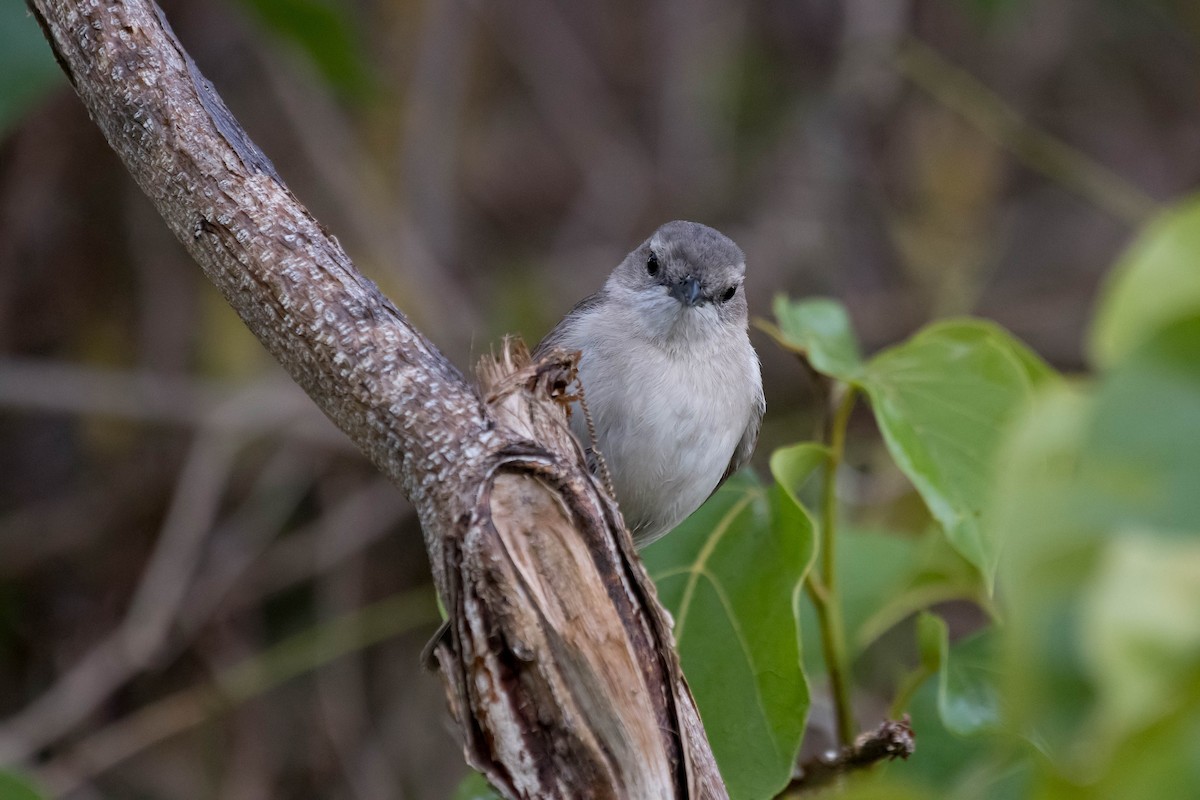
(891, 740)
(560, 667)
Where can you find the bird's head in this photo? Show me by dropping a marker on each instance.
(684, 281)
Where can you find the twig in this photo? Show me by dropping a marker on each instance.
(891, 740)
(594, 444)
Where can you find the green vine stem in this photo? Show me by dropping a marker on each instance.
(822, 589)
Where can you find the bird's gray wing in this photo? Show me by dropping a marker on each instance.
(561, 331)
(745, 446)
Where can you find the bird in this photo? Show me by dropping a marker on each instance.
(670, 379)
(671, 382)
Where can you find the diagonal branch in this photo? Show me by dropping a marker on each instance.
(560, 667)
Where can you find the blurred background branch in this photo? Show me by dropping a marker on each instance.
(998, 121)
(231, 687)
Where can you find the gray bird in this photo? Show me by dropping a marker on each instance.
(669, 375)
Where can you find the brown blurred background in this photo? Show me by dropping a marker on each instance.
(172, 507)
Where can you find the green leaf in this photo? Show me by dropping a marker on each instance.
(1162, 760)
(872, 568)
(1140, 628)
(792, 466)
(968, 696)
(929, 572)
(1047, 558)
(473, 787)
(1037, 371)
(968, 688)
(819, 329)
(15, 787)
(27, 68)
(1141, 461)
(1156, 281)
(323, 31)
(730, 575)
(884, 577)
(942, 400)
(932, 643)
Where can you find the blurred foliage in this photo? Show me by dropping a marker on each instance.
(15, 787)
(991, 10)
(1099, 513)
(27, 69)
(475, 787)
(324, 31)
(1156, 281)
(968, 699)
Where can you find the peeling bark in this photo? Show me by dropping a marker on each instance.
(560, 667)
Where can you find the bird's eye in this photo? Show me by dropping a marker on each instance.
(652, 263)
(729, 293)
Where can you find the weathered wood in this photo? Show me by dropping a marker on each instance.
(560, 667)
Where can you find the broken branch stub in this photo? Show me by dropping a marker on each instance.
(538, 558)
(560, 667)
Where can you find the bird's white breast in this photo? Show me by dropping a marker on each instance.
(667, 420)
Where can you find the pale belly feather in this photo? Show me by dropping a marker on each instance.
(667, 429)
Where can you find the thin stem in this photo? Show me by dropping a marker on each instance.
(824, 594)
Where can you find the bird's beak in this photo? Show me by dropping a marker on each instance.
(687, 291)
